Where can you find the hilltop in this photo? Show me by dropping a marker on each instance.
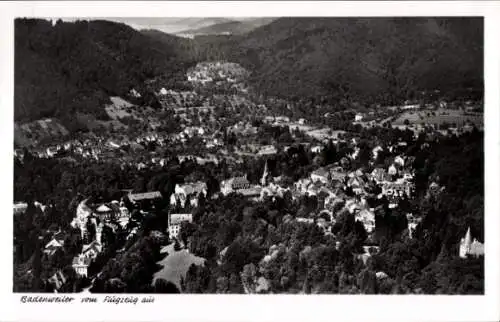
(74, 67)
(364, 58)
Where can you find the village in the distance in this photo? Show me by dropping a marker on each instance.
(217, 188)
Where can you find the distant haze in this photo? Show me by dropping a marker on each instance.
(168, 25)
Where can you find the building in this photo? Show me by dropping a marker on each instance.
(392, 170)
(397, 189)
(470, 248)
(57, 280)
(252, 192)
(367, 218)
(104, 212)
(376, 151)
(92, 250)
(138, 197)
(81, 264)
(53, 245)
(358, 118)
(317, 149)
(379, 175)
(399, 161)
(82, 213)
(265, 175)
(320, 175)
(305, 220)
(234, 184)
(412, 224)
(20, 208)
(267, 150)
(175, 221)
(337, 174)
(182, 191)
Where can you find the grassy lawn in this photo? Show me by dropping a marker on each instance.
(176, 264)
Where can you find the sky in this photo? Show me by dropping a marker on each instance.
(168, 25)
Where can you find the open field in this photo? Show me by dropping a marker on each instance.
(32, 132)
(438, 117)
(176, 264)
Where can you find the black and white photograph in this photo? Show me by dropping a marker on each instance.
(252, 155)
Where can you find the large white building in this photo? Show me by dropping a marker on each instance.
(470, 247)
(175, 221)
(234, 184)
(191, 190)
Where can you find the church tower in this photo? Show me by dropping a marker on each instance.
(465, 244)
(263, 180)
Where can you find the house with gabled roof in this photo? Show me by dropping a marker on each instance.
(92, 250)
(53, 246)
(175, 221)
(320, 174)
(234, 184)
(379, 175)
(138, 197)
(367, 218)
(469, 247)
(57, 280)
(81, 264)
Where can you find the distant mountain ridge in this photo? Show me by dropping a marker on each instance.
(228, 28)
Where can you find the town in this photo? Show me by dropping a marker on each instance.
(209, 186)
(342, 172)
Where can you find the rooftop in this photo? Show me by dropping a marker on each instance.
(144, 196)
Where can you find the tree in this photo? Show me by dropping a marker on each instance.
(163, 286)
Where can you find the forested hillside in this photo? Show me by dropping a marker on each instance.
(229, 27)
(365, 58)
(76, 66)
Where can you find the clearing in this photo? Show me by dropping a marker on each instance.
(176, 264)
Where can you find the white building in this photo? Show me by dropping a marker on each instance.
(399, 161)
(392, 170)
(320, 175)
(20, 208)
(367, 218)
(189, 190)
(468, 247)
(81, 264)
(174, 223)
(234, 184)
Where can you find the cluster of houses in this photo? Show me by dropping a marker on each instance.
(338, 190)
(170, 98)
(104, 214)
(207, 72)
(256, 150)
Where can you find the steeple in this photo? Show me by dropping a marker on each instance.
(465, 244)
(263, 180)
(467, 239)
